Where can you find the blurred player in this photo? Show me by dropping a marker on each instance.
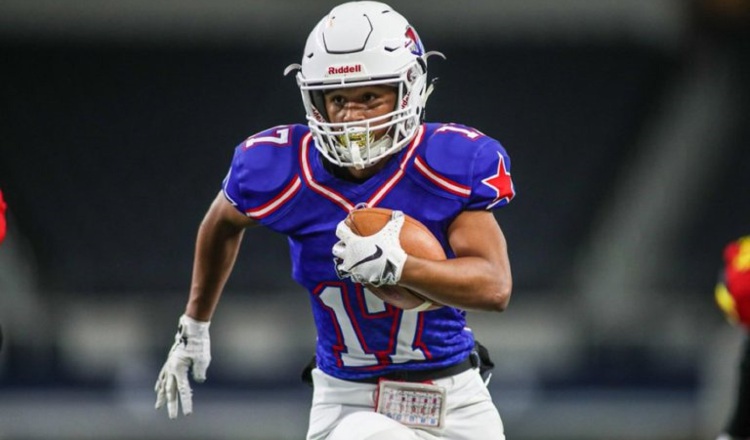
(2, 217)
(2, 237)
(733, 296)
(363, 80)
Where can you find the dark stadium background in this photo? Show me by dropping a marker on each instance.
(630, 148)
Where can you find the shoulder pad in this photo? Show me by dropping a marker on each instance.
(265, 167)
(449, 149)
(465, 162)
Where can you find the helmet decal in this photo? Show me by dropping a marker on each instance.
(405, 99)
(316, 114)
(414, 44)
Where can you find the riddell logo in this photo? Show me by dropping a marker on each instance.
(343, 70)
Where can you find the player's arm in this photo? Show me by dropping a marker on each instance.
(217, 245)
(218, 242)
(479, 278)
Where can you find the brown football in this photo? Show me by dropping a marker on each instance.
(416, 240)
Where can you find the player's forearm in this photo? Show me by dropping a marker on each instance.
(479, 278)
(216, 251)
(470, 283)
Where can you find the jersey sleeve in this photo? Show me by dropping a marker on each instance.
(491, 183)
(466, 165)
(263, 178)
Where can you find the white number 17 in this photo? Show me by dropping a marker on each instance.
(357, 353)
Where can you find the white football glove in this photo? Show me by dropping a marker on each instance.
(192, 347)
(377, 259)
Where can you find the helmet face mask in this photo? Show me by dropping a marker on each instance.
(360, 44)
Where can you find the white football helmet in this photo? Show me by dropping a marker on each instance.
(363, 43)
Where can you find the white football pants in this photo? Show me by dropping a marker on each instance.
(345, 410)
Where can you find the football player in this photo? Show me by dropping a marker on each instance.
(2, 217)
(380, 372)
(733, 296)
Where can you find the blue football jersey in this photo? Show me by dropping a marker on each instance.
(278, 178)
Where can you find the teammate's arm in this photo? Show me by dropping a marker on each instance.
(216, 248)
(479, 278)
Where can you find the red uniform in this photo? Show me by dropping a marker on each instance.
(733, 296)
(733, 290)
(2, 217)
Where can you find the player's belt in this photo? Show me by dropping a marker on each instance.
(421, 375)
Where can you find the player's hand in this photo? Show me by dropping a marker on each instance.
(192, 348)
(377, 259)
